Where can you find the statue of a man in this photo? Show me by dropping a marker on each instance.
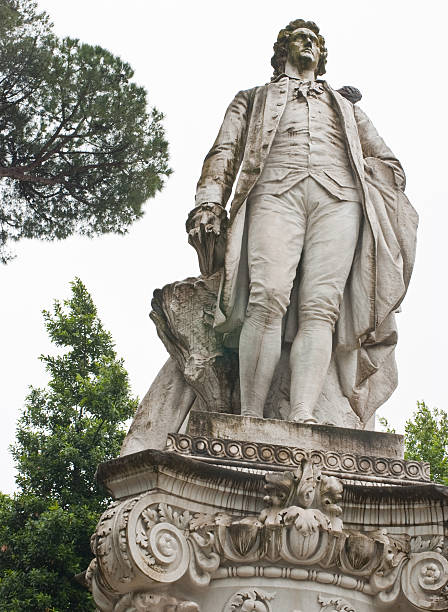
(319, 231)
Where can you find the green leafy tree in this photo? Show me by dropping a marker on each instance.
(79, 152)
(65, 430)
(43, 548)
(426, 439)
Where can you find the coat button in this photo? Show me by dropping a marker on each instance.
(274, 116)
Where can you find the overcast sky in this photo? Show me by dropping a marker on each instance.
(192, 57)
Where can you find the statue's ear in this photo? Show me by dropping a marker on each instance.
(352, 94)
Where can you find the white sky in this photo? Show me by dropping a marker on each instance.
(193, 57)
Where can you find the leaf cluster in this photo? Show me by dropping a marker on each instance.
(42, 548)
(426, 439)
(79, 152)
(76, 422)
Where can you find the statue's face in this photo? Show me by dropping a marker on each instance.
(304, 48)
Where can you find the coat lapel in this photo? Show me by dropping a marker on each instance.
(268, 107)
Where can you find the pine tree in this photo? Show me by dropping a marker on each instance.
(79, 150)
(65, 430)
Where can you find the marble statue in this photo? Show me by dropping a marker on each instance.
(321, 238)
(293, 317)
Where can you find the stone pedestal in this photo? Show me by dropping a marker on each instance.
(223, 521)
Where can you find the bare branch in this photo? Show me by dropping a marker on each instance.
(19, 174)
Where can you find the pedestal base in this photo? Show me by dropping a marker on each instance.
(211, 425)
(189, 533)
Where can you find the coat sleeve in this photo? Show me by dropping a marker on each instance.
(222, 162)
(374, 146)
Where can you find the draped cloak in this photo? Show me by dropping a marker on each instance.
(365, 334)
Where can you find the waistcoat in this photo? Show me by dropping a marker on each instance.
(309, 142)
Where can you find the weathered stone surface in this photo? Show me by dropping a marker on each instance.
(157, 470)
(301, 435)
(183, 313)
(293, 318)
(262, 455)
(163, 409)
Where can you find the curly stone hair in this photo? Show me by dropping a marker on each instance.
(278, 60)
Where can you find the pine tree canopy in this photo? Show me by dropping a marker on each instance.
(79, 151)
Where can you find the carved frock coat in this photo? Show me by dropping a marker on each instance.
(365, 334)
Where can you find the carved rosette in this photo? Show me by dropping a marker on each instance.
(424, 580)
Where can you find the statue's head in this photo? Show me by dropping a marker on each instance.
(293, 40)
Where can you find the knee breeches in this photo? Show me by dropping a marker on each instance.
(304, 224)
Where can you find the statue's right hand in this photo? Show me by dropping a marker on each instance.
(204, 219)
(206, 225)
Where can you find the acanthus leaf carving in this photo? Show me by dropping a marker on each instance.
(108, 543)
(169, 515)
(434, 543)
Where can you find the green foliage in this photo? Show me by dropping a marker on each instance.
(75, 423)
(42, 548)
(78, 150)
(426, 439)
(66, 429)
